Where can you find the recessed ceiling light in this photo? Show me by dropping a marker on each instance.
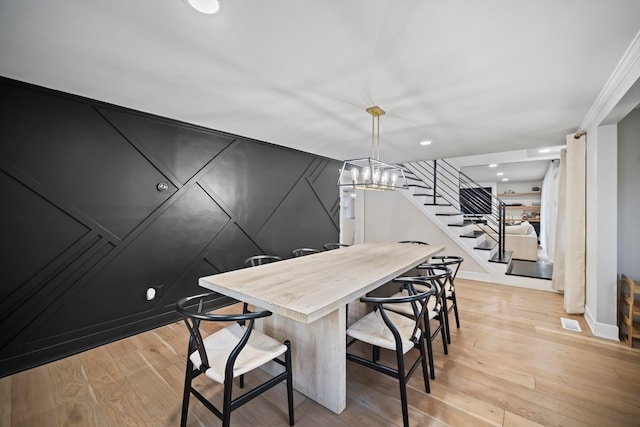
(208, 7)
(425, 142)
(505, 179)
(500, 173)
(544, 150)
(493, 165)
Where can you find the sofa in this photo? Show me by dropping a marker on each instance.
(520, 239)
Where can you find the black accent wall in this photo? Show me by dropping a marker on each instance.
(85, 230)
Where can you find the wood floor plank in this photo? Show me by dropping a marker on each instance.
(114, 393)
(5, 401)
(32, 402)
(513, 420)
(510, 364)
(76, 403)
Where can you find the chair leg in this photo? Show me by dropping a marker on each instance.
(455, 309)
(446, 320)
(226, 405)
(287, 362)
(427, 337)
(403, 388)
(188, 377)
(443, 331)
(425, 370)
(375, 356)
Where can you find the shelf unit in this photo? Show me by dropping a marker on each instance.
(523, 208)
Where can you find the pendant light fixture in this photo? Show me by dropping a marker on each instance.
(370, 173)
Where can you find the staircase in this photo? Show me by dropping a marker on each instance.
(435, 188)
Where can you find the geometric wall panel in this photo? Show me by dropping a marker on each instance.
(181, 150)
(290, 227)
(230, 248)
(153, 258)
(70, 149)
(30, 220)
(86, 231)
(252, 179)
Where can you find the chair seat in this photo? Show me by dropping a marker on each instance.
(433, 306)
(372, 329)
(259, 350)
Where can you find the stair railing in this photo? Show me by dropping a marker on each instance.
(450, 186)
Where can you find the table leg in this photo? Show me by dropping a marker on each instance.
(318, 350)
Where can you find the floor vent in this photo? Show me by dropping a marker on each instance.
(570, 324)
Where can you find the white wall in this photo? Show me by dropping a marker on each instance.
(601, 263)
(629, 195)
(391, 217)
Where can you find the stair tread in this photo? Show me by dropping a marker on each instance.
(462, 224)
(473, 234)
(487, 245)
(449, 214)
(437, 204)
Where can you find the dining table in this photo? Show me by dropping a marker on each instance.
(308, 296)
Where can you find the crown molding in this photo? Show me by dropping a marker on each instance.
(626, 73)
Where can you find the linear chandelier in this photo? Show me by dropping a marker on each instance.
(370, 173)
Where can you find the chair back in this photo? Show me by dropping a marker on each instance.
(303, 251)
(443, 261)
(260, 259)
(193, 311)
(331, 246)
(436, 280)
(419, 305)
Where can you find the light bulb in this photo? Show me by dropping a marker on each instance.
(394, 178)
(385, 178)
(366, 173)
(376, 175)
(354, 174)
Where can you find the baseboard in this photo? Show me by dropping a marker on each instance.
(473, 275)
(500, 278)
(601, 330)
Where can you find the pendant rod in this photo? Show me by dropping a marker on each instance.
(375, 112)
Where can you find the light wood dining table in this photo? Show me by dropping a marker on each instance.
(308, 297)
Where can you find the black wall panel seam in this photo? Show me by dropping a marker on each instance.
(52, 286)
(144, 152)
(284, 198)
(169, 202)
(233, 218)
(335, 208)
(72, 279)
(313, 190)
(46, 193)
(315, 170)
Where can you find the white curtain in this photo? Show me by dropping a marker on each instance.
(549, 210)
(570, 249)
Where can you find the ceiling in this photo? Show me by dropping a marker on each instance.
(472, 76)
(513, 172)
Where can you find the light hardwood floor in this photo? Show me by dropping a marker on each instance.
(510, 364)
